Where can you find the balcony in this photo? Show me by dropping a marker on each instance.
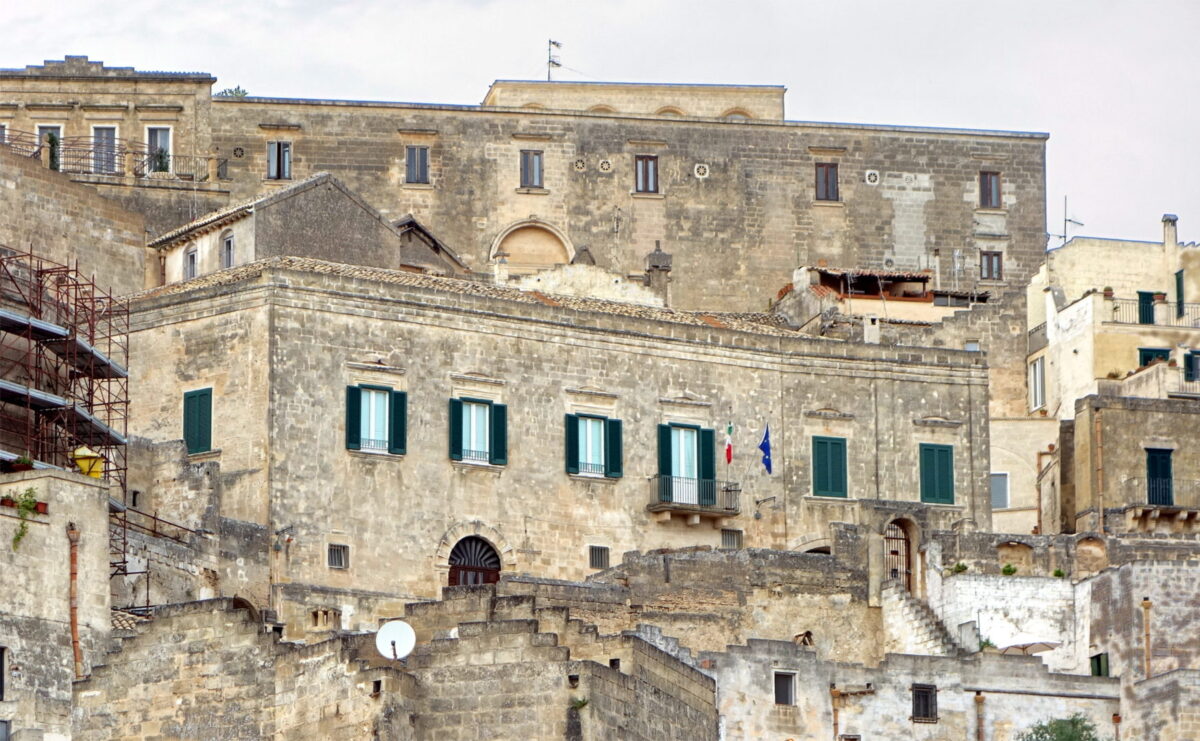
(695, 498)
(1152, 504)
(1127, 311)
(83, 155)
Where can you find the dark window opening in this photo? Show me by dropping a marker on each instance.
(598, 556)
(785, 688)
(614, 664)
(827, 182)
(1100, 665)
(989, 190)
(474, 561)
(279, 160)
(731, 538)
(924, 697)
(991, 266)
(339, 556)
(1148, 355)
(416, 165)
(1159, 479)
(646, 173)
(1145, 307)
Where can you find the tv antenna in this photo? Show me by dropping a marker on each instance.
(551, 60)
(1066, 223)
(395, 640)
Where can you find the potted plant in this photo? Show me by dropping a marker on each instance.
(1160, 295)
(26, 504)
(22, 463)
(1108, 292)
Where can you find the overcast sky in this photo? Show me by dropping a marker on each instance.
(1114, 83)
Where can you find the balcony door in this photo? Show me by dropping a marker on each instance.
(685, 464)
(1159, 489)
(104, 149)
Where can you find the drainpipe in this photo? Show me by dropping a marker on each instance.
(73, 537)
(978, 716)
(834, 694)
(1040, 469)
(1146, 604)
(1117, 726)
(1099, 435)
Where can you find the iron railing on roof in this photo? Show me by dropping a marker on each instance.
(85, 155)
(1132, 311)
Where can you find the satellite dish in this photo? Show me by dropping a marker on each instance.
(395, 639)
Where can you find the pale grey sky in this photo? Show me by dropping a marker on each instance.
(1114, 83)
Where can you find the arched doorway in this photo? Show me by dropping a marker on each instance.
(897, 555)
(530, 248)
(474, 561)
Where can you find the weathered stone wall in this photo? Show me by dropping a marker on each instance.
(1165, 707)
(35, 629)
(736, 234)
(711, 101)
(70, 224)
(1016, 692)
(288, 365)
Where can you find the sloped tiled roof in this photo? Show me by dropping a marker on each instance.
(756, 322)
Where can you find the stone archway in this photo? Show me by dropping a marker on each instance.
(531, 246)
(473, 561)
(900, 545)
(466, 529)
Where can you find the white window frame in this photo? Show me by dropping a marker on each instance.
(226, 247)
(792, 691)
(476, 428)
(591, 433)
(1007, 489)
(170, 139)
(280, 172)
(191, 262)
(1037, 383)
(116, 164)
(374, 419)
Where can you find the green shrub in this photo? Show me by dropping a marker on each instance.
(1008, 569)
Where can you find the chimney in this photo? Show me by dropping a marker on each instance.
(1170, 233)
(658, 272)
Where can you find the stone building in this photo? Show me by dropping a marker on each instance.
(290, 371)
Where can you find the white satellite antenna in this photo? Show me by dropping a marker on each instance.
(395, 640)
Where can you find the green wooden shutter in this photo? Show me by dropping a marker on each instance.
(498, 453)
(1145, 307)
(664, 463)
(1191, 366)
(1179, 307)
(946, 474)
(837, 454)
(398, 423)
(197, 421)
(820, 466)
(928, 473)
(829, 467)
(571, 426)
(456, 423)
(353, 418)
(612, 448)
(708, 466)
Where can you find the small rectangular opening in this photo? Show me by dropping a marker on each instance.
(339, 556)
(598, 556)
(376, 686)
(731, 538)
(614, 664)
(924, 697)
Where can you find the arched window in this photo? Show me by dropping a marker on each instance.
(227, 250)
(668, 111)
(474, 561)
(602, 109)
(736, 114)
(529, 248)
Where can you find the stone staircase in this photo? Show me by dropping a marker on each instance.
(910, 627)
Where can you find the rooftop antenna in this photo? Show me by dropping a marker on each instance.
(1066, 223)
(395, 640)
(551, 60)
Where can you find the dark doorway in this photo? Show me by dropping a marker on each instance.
(474, 561)
(896, 555)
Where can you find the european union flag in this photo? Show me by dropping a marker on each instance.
(765, 447)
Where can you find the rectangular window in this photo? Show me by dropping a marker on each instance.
(376, 419)
(1159, 479)
(598, 556)
(227, 251)
(279, 160)
(1000, 491)
(687, 465)
(989, 190)
(5, 730)
(827, 182)
(924, 703)
(478, 431)
(339, 556)
(971, 346)
(191, 263)
(1100, 665)
(50, 136)
(731, 538)
(829, 466)
(1145, 307)
(785, 688)
(416, 165)
(3, 133)
(3, 671)
(104, 149)
(197, 421)
(1191, 366)
(593, 445)
(531, 168)
(158, 148)
(1148, 355)
(991, 265)
(1180, 308)
(646, 173)
(937, 473)
(1037, 383)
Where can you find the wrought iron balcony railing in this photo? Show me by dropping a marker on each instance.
(1163, 492)
(695, 495)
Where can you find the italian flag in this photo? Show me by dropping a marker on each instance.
(729, 444)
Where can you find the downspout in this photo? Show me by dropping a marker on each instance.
(1041, 469)
(1117, 726)
(978, 716)
(834, 694)
(1146, 604)
(1099, 435)
(73, 537)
